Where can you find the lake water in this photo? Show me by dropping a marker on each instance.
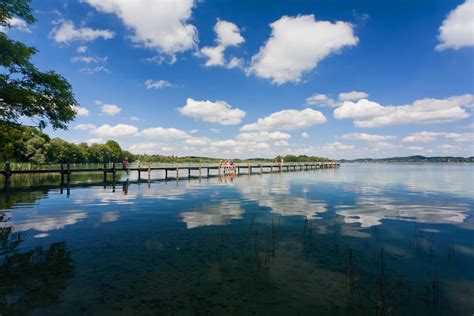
(363, 239)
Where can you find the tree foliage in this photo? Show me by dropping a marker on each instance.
(25, 91)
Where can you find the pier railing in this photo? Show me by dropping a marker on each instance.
(171, 171)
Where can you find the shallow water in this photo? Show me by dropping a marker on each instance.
(363, 239)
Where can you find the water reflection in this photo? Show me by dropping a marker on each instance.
(370, 211)
(274, 192)
(220, 213)
(31, 278)
(215, 246)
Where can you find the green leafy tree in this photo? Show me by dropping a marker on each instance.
(25, 90)
(37, 148)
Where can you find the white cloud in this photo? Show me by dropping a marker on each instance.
(235, 62)
(281, 143)
(447, 148)
(228, 34)
(422, 137)
(286, 120)
(426, 137)
(367, 137)
(305, 135)
(81, 49)
(15, 23)
(156, 24)
(119, 130)
(89, 59)
(197, 141)
(264, 136)
(160, 132)
(296, 46)
(352, 96)
(371, 114)
(85, 127)
(214, 54)
(416, 148)
(93, 70)
(215, 112)
(320, 99)
(80, 111)
(66, 32)
(108, 109)
(95, 141)
(215, 130)
(324, 100)
(457, 30)
(157, 84)
(136, 119)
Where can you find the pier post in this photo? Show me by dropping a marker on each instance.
(250, 169)
(149, 171)
(105, 172)
(199, 171)
(177, 172)
(8, 174)
(166, 174)
(261, 171)
(139, 172)
(68, 166)
(208, 171)
(62, 173)
(189, 173)
(113, 173)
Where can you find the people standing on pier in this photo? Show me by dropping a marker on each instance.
(125, 165)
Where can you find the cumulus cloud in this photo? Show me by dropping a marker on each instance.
(228, 34)
(305, 135)
(119, 130)
(324, 100)
(66, 32)
(367, 137)
(89, 59)
(156, 24)
(286, 120)
(93, 70)
(85, 127)
(371, 114)
(108, 109)
(160, 132)
(214, 112)
(320, 99)
(157, 84)
(457, 30)
(426, 137)
(264, 136)
(352, 96)
(80, 111)
(297, 45)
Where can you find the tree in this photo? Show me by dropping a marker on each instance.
(24, 90)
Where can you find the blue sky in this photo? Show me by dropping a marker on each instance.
(343, 79)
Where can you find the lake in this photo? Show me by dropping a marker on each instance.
(362, 239)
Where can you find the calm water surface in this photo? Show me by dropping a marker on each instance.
(363, 239)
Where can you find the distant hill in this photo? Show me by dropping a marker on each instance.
(414, 159)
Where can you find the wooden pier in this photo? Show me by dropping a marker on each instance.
(170, 172)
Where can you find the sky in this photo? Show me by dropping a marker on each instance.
(240, 79)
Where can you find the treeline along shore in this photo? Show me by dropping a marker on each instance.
(19, 144)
